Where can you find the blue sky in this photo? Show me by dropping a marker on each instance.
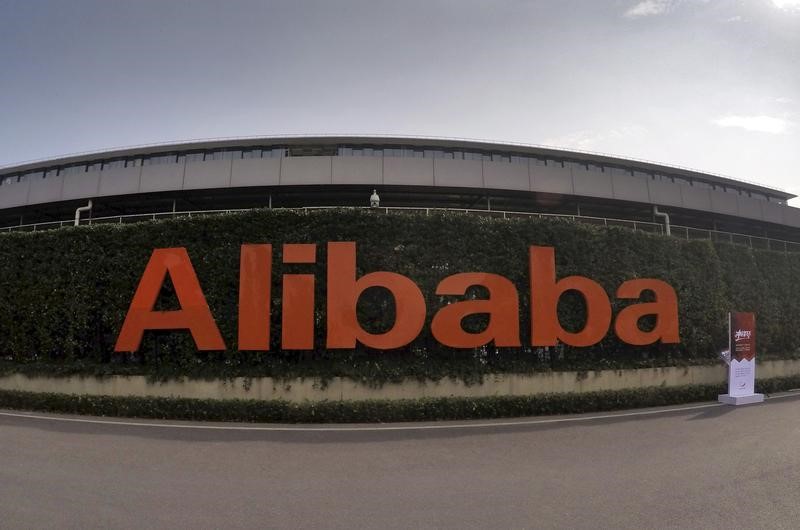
(707, 84)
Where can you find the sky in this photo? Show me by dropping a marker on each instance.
(712, 85)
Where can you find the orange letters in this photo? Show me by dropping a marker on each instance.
(545, 293)
(344, 290)
(193, 315)
(664, 308)
(502, 307)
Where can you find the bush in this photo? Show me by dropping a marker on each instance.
(66, 292)
(425, 409)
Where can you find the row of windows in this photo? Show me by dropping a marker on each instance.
(358, 151)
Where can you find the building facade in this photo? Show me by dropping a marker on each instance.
(406, 172)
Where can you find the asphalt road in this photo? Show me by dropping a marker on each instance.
(709, 467)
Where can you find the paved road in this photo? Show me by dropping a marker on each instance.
(710, 467)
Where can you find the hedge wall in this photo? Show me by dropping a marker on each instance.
(65, 292)
(424, 409)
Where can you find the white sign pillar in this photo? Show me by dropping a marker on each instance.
(742, 366)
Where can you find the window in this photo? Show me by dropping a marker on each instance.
(50, 173)
(72, 170)
(194, 157)
(159, 160)
(700, 184)
(473, 155)
(133, 162)
(216, 155)
(517, 159)
(412, 152)
(94, 166)
(251, 153)
(113, 164)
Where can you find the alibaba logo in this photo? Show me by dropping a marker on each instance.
(344, 288)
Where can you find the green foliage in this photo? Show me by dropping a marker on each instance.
(65, 293)
(425, 409)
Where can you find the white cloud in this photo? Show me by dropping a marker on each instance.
(737, 18)
(784, 100)
(648, 8)
(591, 140)
(767, 124)
(787, 4)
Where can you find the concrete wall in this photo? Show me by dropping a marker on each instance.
(570, 179)
(309, 389)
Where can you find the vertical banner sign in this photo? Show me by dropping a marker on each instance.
(742, 369)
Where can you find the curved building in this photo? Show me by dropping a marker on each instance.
(407, 172)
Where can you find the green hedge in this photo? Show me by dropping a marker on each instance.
(425, 409)
(65, 292)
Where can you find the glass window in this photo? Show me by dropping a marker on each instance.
(517, 159)
(344, 151)
(113, 164)
(95, 166)
(72, 170)
(159, 160)
(251, 153)
(133, 162)
(276, 152)
(50, 173)
(497, 157)
(537, 161)
(194, 157)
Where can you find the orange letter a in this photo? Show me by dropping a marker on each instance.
(193, 315)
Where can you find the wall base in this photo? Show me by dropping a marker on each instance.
(741, 400)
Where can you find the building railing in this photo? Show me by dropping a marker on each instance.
(683, 232)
